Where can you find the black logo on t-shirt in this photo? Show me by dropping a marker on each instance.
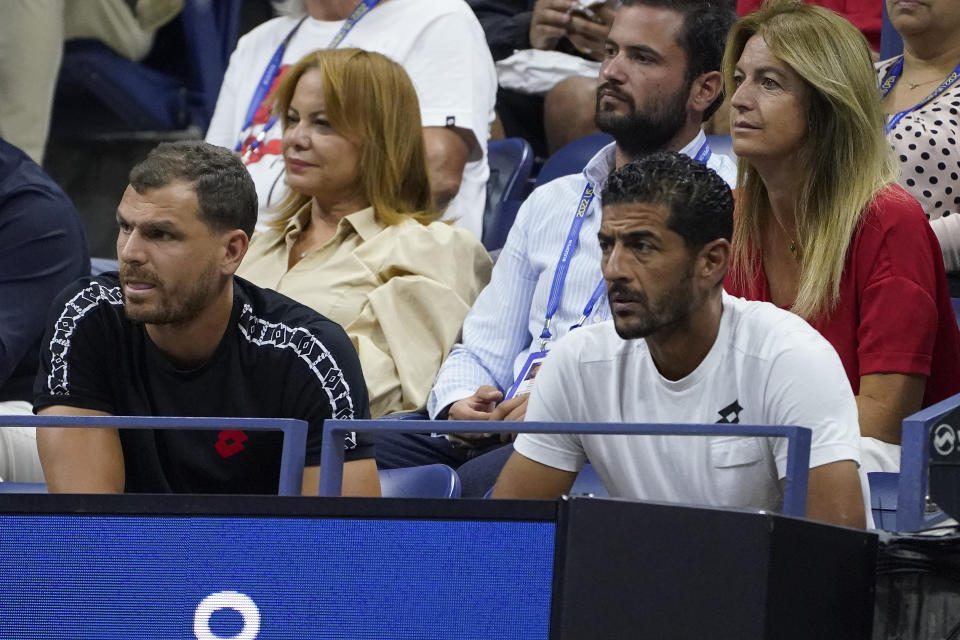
(730, 414)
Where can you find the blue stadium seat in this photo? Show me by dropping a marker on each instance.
(891, 44)
(102, 265)
(23, 487)
(588, 482)
(150, 99)
(883, 499)
(572, 158)
(511, 161)
(429, 481)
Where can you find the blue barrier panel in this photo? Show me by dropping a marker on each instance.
(292, 453)
(279, 568)
(912, 514)
(798, 447)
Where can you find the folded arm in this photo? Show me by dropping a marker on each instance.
(80, 460)
(448, 149)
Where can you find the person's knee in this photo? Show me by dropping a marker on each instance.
(568, 111)
(19, 461)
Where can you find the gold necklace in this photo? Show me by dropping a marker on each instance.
(914, 85)
(303, 242)
(793, 243)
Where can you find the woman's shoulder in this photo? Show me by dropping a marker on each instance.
(892, 208)
(265, 241)
(894, 223)
(437, 233)
(423, 248)
(437, 251)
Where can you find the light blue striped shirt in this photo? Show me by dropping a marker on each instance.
(502, 328)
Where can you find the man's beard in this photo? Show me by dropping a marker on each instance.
(179, 308)
(670, 310)
(641, 132)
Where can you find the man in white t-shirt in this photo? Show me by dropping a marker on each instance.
(440, 45)
(680, 350)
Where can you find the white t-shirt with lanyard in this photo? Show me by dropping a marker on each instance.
(524, 381)
(438, 42)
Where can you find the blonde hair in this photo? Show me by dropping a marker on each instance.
(370, 101)
(845, 156)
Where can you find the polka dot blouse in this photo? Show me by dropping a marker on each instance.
(927, 144)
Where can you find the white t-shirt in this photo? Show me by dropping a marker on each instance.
(766, 367)
(440, 45)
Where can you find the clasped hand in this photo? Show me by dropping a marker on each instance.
(586, 25)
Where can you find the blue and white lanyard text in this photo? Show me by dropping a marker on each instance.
(891, 79)
(273, 68)
(560, 275)
(573, 237)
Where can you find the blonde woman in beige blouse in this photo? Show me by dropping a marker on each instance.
(357, 239)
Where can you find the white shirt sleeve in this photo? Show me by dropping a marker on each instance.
(496, 328)
(947, 231)
(807, 387)
(557, 397)
(451, 67)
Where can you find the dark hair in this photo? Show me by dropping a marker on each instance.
(702, 36)
(225, 191)
(700, 202)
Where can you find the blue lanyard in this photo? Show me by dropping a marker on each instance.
(560, 275)
(573, 236)
(703, 155)
(891, 79)
(273, 68)
(591, 303)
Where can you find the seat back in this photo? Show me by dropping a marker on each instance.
(511, 162)
(891, 44)
(23, 487)
(102, 265)
(428, 481)
(572, 158)
(588, 482)
(798, 443)
(293, 450)
(883, 499)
